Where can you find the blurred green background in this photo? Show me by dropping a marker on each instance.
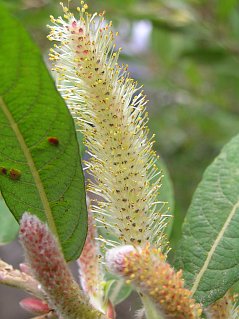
(186, 53)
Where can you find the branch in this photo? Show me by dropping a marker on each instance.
(15, 278)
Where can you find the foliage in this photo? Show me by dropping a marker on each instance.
(37, 140)
(8, 225)
(210, 229)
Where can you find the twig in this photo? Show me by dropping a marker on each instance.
(15, 278)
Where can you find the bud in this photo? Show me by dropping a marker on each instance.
(90, 268)
(25, 268)
(146, 268)
(224, 308)
(35, 306)
(110, 311)
(50, 269)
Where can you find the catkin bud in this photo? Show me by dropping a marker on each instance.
(147, 269)
(90, 268)
(50, 269)
(224, 308)
(34, 305)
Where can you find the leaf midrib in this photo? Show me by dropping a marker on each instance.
(213, 248)
(32, 167)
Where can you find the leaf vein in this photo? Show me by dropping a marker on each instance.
(30, 162)
(213, 248)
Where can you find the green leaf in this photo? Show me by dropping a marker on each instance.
(107, 286)
(206, 54)
(151, 311)
(47, 179)
(209, 251)
(80, 139)
(8, 224)
(225, 8)
(116, 290)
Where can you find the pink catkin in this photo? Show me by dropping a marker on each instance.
(50, 269)
(91, 273)
(224, 308)
(89, 261)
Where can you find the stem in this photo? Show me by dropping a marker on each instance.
(151, 312)
(15, 278)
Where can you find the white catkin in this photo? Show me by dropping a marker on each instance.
(109, 109)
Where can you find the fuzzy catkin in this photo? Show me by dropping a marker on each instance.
(146, 268)
(224, 308)
(109, 109)
(90, 268)
(50, 269)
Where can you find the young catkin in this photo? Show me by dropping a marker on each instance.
(90, 269)
(50, 269)
(224, 308)
(146, 268)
